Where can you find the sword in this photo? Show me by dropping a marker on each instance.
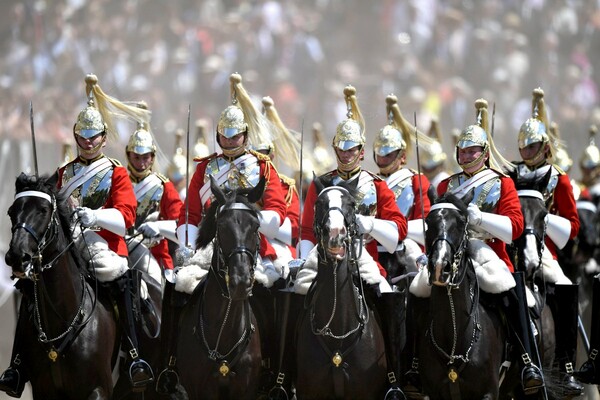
(187, 174)
(301, 182)
(420, 181)
(493, 119)
(33, 138)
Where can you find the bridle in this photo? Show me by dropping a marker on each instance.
(223, 260)
(455, 281)
(221, 272)
(457, 251)
(34, 272)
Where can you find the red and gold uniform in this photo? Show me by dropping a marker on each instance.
(106, 185)
(243, 171)
(378, 201)
(499, 197)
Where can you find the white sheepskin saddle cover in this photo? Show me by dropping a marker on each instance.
(492, 273)
(102, 261)
(369, 271)
(553, 273)
(266, 272)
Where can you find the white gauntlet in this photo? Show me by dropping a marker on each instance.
(110, 219)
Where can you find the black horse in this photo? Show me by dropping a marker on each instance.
(340, 348)
(460, 341)
(70, 338)
(219, 353)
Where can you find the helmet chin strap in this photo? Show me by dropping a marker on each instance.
(139, 175)
(391, 167)
(473, 163)
(349, 166)
(538, 159)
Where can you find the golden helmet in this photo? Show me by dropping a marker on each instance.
(231, 122)
(391, 137)
(590, 158)
(432, 156)
(89, 121)
(141, 142)
(534, 130)
(177, 166)
(350, 132)
(201, 148)
(476, 135)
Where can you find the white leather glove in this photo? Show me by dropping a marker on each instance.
(87, 216)
(364, 224)
(149, 229)
(182, 254)
(474, 214)
(269, 223)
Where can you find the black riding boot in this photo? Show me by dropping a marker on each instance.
(140, 372)
(172, 304)
(564, 304)
(590, 370)
(515, 309)
(288, 307)
(13, 379)
(392, 317)
(263, 306)
(411, 379)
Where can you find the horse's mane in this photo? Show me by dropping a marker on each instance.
(208, 225)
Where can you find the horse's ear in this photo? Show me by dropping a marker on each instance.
(256, 193)
(52, 180)
(320, 184)
(545, 180)
(216, 191)
(21, 182)
(512, 174)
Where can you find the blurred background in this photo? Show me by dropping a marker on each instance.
(437, 56)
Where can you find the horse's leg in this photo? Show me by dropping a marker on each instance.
(99, 394)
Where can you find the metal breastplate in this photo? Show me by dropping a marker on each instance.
(486, 195)
(405, 195)
(148, 202)
(94, 192)
(241, 175)
(523, 172)
(366, 193)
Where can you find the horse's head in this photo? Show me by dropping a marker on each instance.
(334, 222)
(529, 245)
(233, 221)
(446, 239)
(34, 216)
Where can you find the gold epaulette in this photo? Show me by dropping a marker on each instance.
(200, 159)
(375, 176)
(559, 169)
(287, 180)
(160, 176)
(260, 156)
(115, 162)
(500, 173)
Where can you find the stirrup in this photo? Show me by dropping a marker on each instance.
(11, 382)
(140, 375)
(167, 381)
(394, 393)
(535, 381)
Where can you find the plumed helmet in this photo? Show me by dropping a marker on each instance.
(177, 166)
(534, 129)
(350, 132)
(231, 122)
(201, 148)
(476, 135)
(433, 156)
(141, 142)
(391, 137)
(89, 121)
(590, 158)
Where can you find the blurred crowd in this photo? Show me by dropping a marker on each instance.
(437, 56)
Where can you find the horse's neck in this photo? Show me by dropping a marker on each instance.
(335, 293)
(217, 309)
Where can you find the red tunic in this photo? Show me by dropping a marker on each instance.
(563, 205)
(509, 206)
(122, 198)
(170, 206)
(273, 198)
(416, 212)
(387, 209)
